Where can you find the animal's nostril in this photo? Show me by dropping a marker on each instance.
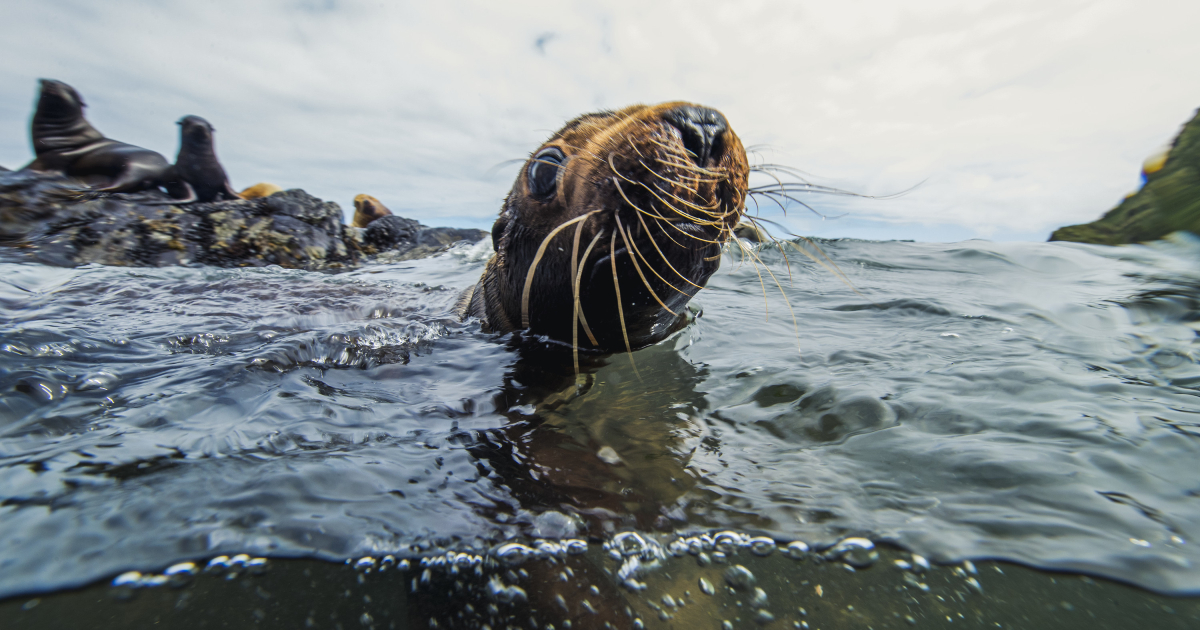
(701, 127)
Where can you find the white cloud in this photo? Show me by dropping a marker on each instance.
(1021, 115)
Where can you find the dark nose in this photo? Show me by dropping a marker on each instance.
(701, 127)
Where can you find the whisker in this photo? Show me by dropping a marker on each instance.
(648, 265)
(574, 256)
(537, 258)
(827, 264)
(612, 257)
(668, 221)
(578, 309)
(664, 256)
(786, 262)
(786, 301)
(638, 268)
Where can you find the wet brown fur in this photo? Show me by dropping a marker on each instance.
(367, 209)
(259, 190)
(644, 224)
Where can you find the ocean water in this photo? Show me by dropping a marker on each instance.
(1027, 402)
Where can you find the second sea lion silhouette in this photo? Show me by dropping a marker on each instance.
(196, 167)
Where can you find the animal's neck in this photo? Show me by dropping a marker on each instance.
(54, 133)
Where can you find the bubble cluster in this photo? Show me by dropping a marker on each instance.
(183, 573)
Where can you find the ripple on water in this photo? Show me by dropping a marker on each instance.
(1034, 402)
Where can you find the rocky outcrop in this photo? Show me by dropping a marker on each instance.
(61, 223)
(1168, 202)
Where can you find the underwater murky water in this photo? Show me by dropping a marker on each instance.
(1033, 402)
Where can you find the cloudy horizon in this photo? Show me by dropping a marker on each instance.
(1014, 117)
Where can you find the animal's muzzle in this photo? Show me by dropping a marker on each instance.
(702, 130)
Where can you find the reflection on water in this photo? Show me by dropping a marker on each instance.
(1028, 402)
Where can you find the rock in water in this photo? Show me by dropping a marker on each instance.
(47, 215)
(1168, 202)
(391, 231)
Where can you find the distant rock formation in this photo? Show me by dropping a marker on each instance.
(48, 215)
(1169, 200)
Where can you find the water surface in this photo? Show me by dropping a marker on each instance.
(1032, 402)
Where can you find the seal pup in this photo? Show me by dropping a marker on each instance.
(368, 209)
(259, 191)
(196, 167)
(64, 142)
(612, 226)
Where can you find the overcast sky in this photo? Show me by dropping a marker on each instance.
(1018, 116)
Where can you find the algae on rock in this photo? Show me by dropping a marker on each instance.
(1168, 202)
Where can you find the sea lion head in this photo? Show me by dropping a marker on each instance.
(58, 100)
(259, 191)
(613, 224)
(58, 121)
(367, 209)
(195, 131)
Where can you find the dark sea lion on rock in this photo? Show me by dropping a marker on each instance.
(613, 225)
(196, 167)
(64, 142)
(368, 209)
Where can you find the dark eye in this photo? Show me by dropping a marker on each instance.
(543, 172)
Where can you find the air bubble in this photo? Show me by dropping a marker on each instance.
(125, 584)
(630, 544)
(856, 552)
(503, 593)
(739, 577)
(706, 587)
(180, 574)
(763, 616)
(575, 546)
(796, 550)
(727, 542)
(129, 578)
(256, 566)
(513, 553)
(364, 564)
(218, 564)
(760, 597)
(762, 546)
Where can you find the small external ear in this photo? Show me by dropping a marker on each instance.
(498, 228)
